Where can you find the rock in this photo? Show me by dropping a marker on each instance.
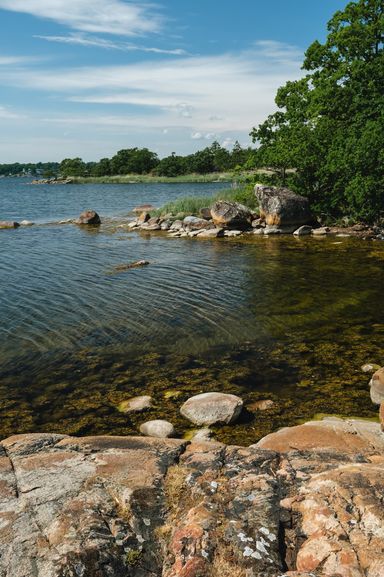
(202, 435)
(350, 436)
(88, 217)
(191, 223)
(132, 224)
(166, 225)
(211, 233)
(26, 223)
(147, 226)
(144, 217)
(231, 215)
(205, 213)
(274, 229)
(303, 230)
(140, 506)
(211, 408)
(377, 387)
(282, 207)
(8, 224)
(321, 231)
(370, 368)
(381, 415)
(136, 404)
(143, 208)
(176, 225)
(258, 231)
(261, 405)
(123, 267)
(158, 428)
(231, 233)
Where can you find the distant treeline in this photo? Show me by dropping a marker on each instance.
(214, 158)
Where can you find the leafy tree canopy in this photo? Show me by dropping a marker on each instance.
(330, 124)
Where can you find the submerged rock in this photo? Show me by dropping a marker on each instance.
(158, 428)
(282, 207)
(136, 404)
(26, 223)
(88, 217)
(211, 408)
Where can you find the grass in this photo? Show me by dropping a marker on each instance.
(148, 178)
(192, 205)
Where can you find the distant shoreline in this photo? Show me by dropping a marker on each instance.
(145, 178)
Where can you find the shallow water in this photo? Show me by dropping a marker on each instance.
(286, 319)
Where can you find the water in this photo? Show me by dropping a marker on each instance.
(281, 318)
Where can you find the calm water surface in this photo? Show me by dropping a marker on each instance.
(286, 319)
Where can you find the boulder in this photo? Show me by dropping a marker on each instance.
(282, 207)
(88, 217)
(26, 223)
(381, 415)
(144, 217)
(377, 387)
(8, 224)
(321, 231)
(176, 225)
(211, 408)
(231, 214)
(195, 223)
(205, 213)
(136, 404)
(263, 405)
(303, 230)
(231, 233)
(211, 233)
(158, 428)
(348, 437)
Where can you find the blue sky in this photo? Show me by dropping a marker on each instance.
(89, 77)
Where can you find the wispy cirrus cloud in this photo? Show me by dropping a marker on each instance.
(95, 42)
(7, 114)
(207, 94)
(112, 17)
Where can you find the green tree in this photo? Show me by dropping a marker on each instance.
(330, 124)
(172, 165)
(134, 160)
(72, 167)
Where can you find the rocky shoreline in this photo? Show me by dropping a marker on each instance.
(303, 502)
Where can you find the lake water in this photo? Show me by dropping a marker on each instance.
(286, 319)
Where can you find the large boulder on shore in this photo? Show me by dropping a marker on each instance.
(282, 207)
(88, 217)
(211, 408)
(231, 214)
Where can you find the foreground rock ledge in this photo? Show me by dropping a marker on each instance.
(134, 506)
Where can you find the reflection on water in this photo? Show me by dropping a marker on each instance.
(282, 318)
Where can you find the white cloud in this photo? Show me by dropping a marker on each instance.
(6, 114)
(95, 42)
(194, 98)
(208, 94)
(112, 17)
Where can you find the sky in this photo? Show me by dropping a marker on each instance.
(86, 78)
